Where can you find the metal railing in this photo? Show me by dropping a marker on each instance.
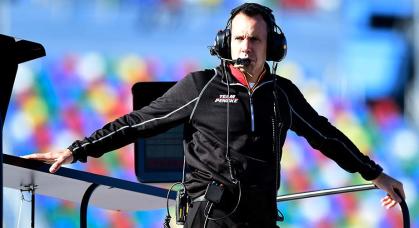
(332, 191)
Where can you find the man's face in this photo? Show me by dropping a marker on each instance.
(249, 40)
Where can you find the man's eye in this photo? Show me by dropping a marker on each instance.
(254, 38)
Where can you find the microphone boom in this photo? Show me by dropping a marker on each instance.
(242, 62)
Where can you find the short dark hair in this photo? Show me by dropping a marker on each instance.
(254, 9)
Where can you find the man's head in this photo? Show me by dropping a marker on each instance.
(247, 20)
(249, 38)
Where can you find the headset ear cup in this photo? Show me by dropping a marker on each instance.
(222, 41)
(277, 47)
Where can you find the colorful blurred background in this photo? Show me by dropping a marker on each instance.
(355, 61)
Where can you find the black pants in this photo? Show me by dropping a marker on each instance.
(256, 209)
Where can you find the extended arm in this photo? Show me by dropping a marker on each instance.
(334, 144)
(171, 109)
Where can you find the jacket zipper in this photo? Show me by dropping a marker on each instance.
(252, 114)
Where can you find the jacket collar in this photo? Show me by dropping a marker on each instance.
(234, 80)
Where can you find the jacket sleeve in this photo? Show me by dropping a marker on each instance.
(326, 138)
(171, 109)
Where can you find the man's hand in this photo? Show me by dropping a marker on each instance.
(390, 185)
(56, 158)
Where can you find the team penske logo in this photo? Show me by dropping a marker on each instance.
(226, 99)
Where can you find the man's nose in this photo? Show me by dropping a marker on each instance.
(245, 45)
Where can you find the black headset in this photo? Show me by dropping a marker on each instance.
(276, 43)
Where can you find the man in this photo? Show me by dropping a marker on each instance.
(236, 119)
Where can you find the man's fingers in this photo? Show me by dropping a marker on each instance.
(56, 165)
(49, 157)
(37, 156)
(55, 158)
(391, 204)
(386, 200)
(60, 161)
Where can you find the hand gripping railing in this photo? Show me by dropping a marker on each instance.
(355, 188)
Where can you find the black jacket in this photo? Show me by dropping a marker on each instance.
(203, 101)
